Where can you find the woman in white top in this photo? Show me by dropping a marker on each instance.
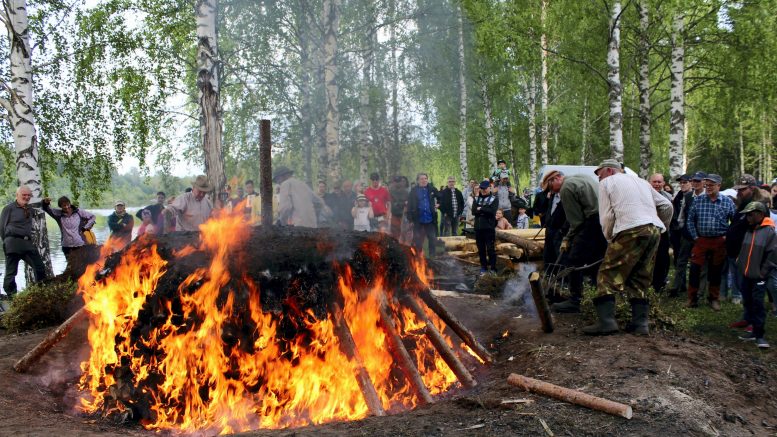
(362, 214)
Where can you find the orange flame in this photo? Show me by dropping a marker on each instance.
(203, 375)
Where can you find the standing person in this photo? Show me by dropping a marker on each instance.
(156, 210)
(661, 266)
(72, 222)
(422, 213)
(756, 262)
(683, 255)
(296, 201)
(16, 233)
(484, 209)
(505, 194)
(324, 215)
(548, 205)
(120, 223)
(522, 221)
(632, 216)
(675, 232)
(379, 198)
(451, 206)
(469, 217)
(708, 221)
(194, 207)
(340, 203)
(362, 214)
(147, 226)
(398, 192)
(253, 205)
(469, 189)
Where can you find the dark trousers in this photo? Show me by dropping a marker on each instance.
(753, 291)
(550, 255)
(421, 230)
(588, 247)
(709, 251)
(450, 225)
(681, 257)
(485, 239)
(32, 258)
(661, 267)
(396, 225)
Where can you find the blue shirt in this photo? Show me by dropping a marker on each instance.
(710, 219)
(424, 207)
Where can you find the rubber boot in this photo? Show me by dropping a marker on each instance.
(571, 305)
(640, 308)
(605, 309)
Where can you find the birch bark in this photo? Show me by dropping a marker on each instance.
(677, 100)
(584, 148)
(395, 153)
(489, 123)
(208, 82)
(531, 100)
(614, 81)
(364, 103)
(544, 82)
(19, 106)
(462, 101)
(741, 148)
(643, 84)
(331, 17)
(306, 61)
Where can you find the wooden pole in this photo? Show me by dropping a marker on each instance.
(465, 334)
(569, 395)
(349, 349)
(400, 353)
(440, 344)
(543, 310)
(52, 339)
(265, 172)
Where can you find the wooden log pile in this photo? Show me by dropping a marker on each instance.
(512, 246)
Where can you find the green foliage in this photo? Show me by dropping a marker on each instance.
(39, 305)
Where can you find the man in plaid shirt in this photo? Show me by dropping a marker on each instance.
(708, 221)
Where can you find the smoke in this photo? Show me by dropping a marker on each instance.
(517, 291)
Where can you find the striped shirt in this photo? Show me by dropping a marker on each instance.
(626, 202)
(710, 219)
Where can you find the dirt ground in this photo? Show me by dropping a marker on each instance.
(676, 384)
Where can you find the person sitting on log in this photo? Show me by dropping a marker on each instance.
(484, 209)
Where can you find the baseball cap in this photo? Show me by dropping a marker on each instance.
(504, 175)
(683, 178)
(484, 185)
(714, 178)
(745, 181)
(501, 161)
(609, 163)
(755, 206)
(119, 202)
(698, 176)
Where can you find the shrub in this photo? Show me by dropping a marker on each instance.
(39, 305)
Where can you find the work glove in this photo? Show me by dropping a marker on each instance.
(564, 246)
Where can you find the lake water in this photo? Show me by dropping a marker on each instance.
(58, 260)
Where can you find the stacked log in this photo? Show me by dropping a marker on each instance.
(512, 246)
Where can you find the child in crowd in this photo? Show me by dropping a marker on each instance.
(522, 221)
(501, 167)
(501, 221)
(362, 214)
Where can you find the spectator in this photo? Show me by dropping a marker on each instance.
(501, 221)
(469, 217)
(253, 203)
(501, 169)
(675, 232)
(469, 189)
(398, 192)
(120, 223)
(194, 207)
(16, 233)
(341, 203)
(686, 243)
(505, 194)
(362, 214)
(422, 213)
(324, 214)
(668, 189)
(522, 221)
(548, 204)
(708, 221)
(72, 221)
(661, 266)
(379, 198)
(296, 201)
(147, 226)
(451, 206)
(156, 212)
(484, 208)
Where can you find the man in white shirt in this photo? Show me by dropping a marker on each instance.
(633, 216)
(193, 208)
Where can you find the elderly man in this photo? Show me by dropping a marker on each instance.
(422, 213)
(661, 267)
(16, 232)
(632, 217)
(584, 244)
(194, 207)
(297, 203)
(708, 222)
(451, 206)
(121, 223)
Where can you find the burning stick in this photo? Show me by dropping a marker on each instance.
(541, 303)
(400, 353)
(569, 395)
(350, 350)
(52, 339)
(439, 343)
(465, 334)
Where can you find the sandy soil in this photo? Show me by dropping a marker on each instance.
(677, 385)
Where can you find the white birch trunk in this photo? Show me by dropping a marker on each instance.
(544, 81)
(677, 101)
(395, 153)
(769, 152)
(741, 148)
(644, 90)
(306, 118)
(489, 123)
(331, 20)
(584, 148)
(364, 106)
(20, 113)
(531, 100)
(208, 78)
(462, 102)
(615, 87)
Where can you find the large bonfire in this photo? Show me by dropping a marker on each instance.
(237, 328)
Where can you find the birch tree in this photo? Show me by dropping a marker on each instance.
(20, 114)
(614, 83)
(364, 96)
(677, 100)
(331, 19)
(489, 123)
(643, 84)
(462, 101)
(531, 102)
(208, 83)
(544, 82)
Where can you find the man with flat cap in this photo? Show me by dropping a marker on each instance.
(708, 221)
(548, 205)
(683, 255)
(192, 208)
(675, 232)
(297, 203)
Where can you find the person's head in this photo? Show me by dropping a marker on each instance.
(451, 182)
(657, 181)
(145, 215)
(746, 187)
(552, 181)
(375, 180)
(668, 188)
(65, 205)
(383, 226)
(755, 212)
(201, 187)
(521, 210)
(774, 190)
(484, 189)
(361, 200)
(685, 183)
(347, 186)
(473, 183)
(501, 164)
(422, 179)
(610, 167)
(281, 174)
(23, 195)
(712, 184)
(321, 187)
(697, 182)
(160, 197)
(119, 206)
(499, 214)
(249, 186)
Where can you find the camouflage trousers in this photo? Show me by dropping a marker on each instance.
(628, 262)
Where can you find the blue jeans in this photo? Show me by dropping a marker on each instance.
(771, 287)
(731, 282)
(753, 300)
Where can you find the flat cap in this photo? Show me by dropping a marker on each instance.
(609, 163)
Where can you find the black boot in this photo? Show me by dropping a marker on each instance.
(571, 305)
(640, 308)
(605, 309)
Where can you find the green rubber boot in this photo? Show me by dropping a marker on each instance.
(605, 309)
(640, 308)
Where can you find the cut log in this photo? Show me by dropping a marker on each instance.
(400, 353)
(543, 310)
(52, 339)
(510, 250)
(532, 248)
(465, 334)
(348, 347)
(439, 343)
(570, 395)
(456, 294)
(529, 234)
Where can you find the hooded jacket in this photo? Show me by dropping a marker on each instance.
(758, 255)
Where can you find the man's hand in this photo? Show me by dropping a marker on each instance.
(46, 201)
(564, 246)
